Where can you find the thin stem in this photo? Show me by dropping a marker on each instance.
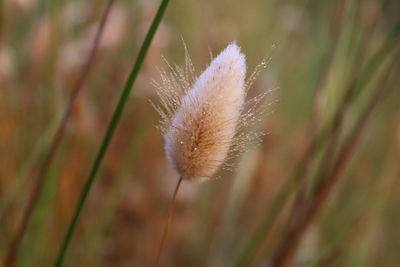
(168, 222)
(55, 143)
(111, 129)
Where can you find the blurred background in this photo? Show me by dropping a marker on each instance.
(316, 49)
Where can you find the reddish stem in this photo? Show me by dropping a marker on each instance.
(168, 222)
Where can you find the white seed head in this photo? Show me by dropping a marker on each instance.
(203, 119)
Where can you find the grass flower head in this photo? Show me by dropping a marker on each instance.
(204, 119)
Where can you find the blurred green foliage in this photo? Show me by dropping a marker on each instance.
(317, 49)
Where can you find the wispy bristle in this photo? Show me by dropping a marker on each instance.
(204, 120)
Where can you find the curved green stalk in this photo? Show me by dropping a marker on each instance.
(111, 129)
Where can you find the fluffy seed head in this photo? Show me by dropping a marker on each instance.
(203, 119)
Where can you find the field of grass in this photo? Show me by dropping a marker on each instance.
(321, 188)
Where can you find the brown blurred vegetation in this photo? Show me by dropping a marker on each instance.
(319, 47)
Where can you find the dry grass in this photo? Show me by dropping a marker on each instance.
(323, 179)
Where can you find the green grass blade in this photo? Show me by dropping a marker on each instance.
(111, 129)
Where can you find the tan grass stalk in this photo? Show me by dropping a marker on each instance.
(11, 256)
(327, 184)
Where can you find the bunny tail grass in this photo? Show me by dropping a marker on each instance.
(204, 126)
(204, 119)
